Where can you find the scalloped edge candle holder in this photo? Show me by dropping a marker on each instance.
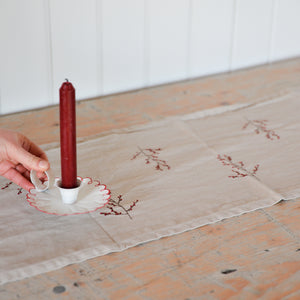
(88, 197)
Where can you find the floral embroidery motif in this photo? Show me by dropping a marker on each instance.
(237, 168)
(7, 185)
(261, 126)
(116, 208)
(152, 155)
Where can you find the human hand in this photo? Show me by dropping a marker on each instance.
(18, 156)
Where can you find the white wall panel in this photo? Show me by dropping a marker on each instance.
(167, 34)
(75, 51)
(253, 27)
(108, 46)
(123, 45)
(286, 35)
(24, 56)
(211, 32)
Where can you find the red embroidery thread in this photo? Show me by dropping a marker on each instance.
(237, 168)
(114, 207)
(152, 155)
(6, 186)
(261, 126)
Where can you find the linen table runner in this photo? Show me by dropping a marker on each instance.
(165, 178)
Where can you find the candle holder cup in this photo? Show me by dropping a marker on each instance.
(68, 195)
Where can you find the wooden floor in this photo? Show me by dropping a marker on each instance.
(253, 256)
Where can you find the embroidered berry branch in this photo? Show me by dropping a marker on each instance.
(152, 155)
(237, 168)
(6, 186)
(117, 209)
(261, 126)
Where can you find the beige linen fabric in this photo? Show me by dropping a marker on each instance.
(196, 190)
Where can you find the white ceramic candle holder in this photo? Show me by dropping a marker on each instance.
(89, 196)
(68, 196)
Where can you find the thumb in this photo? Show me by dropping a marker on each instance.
(30, 161)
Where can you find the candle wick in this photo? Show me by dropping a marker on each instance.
(67, 80)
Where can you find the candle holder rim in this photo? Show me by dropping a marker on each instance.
(58, 180)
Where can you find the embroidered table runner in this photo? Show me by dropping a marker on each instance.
(165, 178)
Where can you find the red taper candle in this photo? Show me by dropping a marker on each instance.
(68, 135)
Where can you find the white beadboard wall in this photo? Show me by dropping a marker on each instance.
(110, 46)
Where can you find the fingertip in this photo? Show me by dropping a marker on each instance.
(44, 165)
